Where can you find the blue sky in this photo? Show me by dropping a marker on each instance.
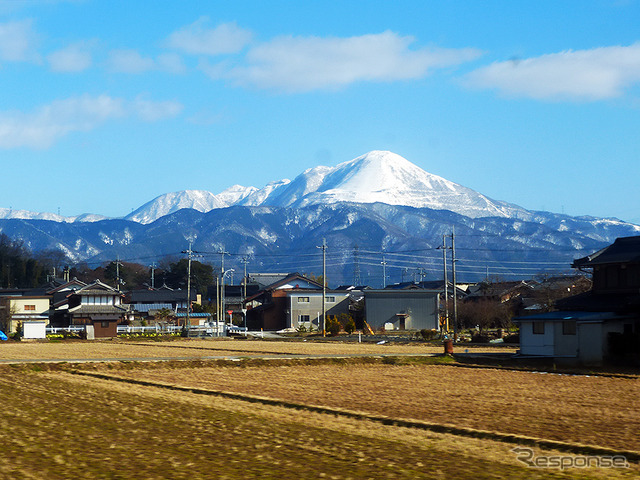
(107, 104)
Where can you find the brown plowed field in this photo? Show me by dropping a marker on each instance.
(578, 409)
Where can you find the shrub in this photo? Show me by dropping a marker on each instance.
(332, 326)
(428, 334)
(513, 338)
(350, 326)
(480, 338)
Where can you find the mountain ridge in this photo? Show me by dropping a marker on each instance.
(375, 177)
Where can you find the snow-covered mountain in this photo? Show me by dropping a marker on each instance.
(9, 213)
(377, 177)
(381, 177)
(200, 200)
(379, 202)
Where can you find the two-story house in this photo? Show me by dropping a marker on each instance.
(599, 325)
(96, 304)
(269, 308)
(26, 312)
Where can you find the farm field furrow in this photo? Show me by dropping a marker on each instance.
(196, 348)
(58, 426)
(578, 409)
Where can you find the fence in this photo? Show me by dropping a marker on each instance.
(213, 329)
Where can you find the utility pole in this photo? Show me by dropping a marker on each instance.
(222, 252)
(244, 260)
(453, 272)
(384, 272)
(443, 247)
(153, 271)
(118, 265)
(324, 283)
(190, 254)
(220, 303)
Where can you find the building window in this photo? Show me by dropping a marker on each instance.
(330, 299)
(303, 299)
(30, 307)
(104, 324)
(304, 318)
(538, 328)
(569, 327)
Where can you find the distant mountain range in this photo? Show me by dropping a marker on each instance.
(377, 177)
(379, 201)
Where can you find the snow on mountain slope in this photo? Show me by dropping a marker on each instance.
(385, 177)
(27, 215)
(235, 194)
(376, 177)
(162, 205)
(259, 196)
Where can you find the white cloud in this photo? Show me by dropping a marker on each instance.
(198, 39)
(151, 111)
(44, 127)
(589, 75)
(18, 41)
(73, 58)
(295, 64)
(170, 62)
(130, 61)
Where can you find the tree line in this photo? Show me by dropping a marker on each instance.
(20, 268)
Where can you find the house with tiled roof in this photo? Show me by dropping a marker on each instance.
(270, 307)
(97, 305)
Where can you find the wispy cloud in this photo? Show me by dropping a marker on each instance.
(73, 58)
(131, 61)
(49, 123)
(18, 42)
(298, 64)
(152, 111)
(200, 39)
(581, 75)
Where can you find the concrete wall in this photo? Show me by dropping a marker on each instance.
(419, 307)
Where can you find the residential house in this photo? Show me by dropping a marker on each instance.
(29, 313)
(600, 325)
(234, 296)
(145, 303)
(402, 309)
(97, 305)
(59, 292)
(305, 307)
(269, 308)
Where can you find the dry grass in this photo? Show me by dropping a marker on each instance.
(56, 426)
(578, 409)
(195, 348)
